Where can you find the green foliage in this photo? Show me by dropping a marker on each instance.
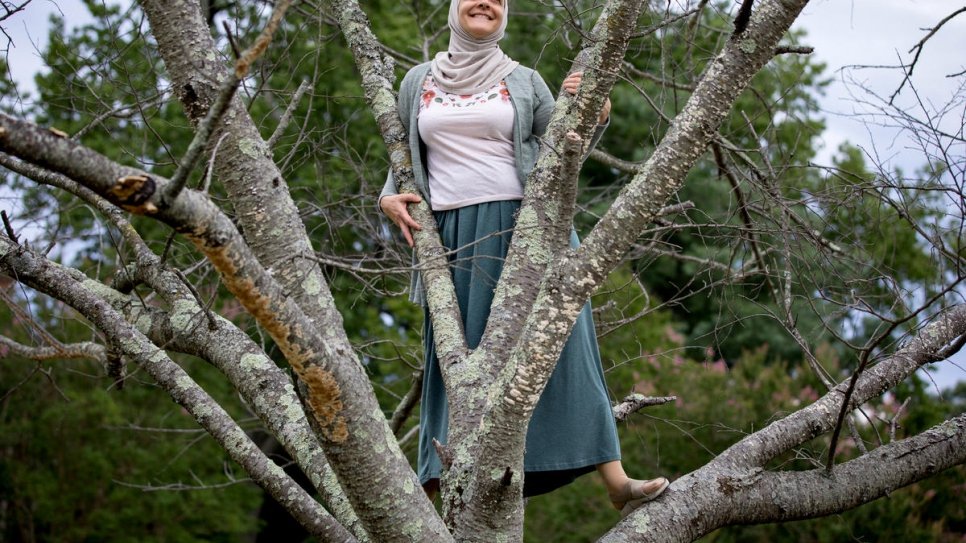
(719, 347)
(717, 406)
(84, 461)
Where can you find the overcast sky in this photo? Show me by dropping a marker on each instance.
(845, 34)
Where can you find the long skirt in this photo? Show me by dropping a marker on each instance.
(572, 429)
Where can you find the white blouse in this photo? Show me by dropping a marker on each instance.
(469, 146)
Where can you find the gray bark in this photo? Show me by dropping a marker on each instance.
(494, 388)
(257, 378)
(76, 291)
(356, 436)
(275, 233)
(734, 488)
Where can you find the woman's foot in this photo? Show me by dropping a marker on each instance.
(635, 492)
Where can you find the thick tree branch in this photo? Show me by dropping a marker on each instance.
(71, 351)
(714, 497)
(814, 493)
(262, 384)
(819, 418)
(329, 368)
(40, 275)
(378, 78)
(734, 489)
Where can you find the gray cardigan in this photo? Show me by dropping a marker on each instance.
(532, 106)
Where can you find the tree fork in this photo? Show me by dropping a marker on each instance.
(352, 430)
(41, 275)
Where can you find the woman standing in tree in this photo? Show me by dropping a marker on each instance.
(474, 116)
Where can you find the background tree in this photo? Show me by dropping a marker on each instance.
(762, 269)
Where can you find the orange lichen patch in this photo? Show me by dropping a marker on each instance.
(147, 209)
(326, 405)
(57, 132)
(324, 393)
(133, 193)
(248, 294)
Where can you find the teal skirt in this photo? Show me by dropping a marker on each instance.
(572, 429)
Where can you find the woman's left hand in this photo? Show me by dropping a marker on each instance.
(570, 85)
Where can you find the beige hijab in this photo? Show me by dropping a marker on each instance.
(471, 65)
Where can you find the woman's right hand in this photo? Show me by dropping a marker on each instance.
(395, 208)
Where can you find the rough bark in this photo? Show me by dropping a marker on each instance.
(278, 238)
(484, 458)
(734, 488)
(262, 384)
(376, 70)
(76, 291)
(356, 437)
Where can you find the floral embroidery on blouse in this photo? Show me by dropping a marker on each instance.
(432, 94)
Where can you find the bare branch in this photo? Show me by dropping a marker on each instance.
(9, 227)
(12, 9)
(635, 402)
(918, 50)
(287, 116)
(61, 351)
(794, 50)
(407, 404)
(48, 279)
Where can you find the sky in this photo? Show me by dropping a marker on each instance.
(846, 34)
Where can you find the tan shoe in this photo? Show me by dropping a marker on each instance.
(637, 493)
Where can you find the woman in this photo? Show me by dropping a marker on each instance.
(474, 116)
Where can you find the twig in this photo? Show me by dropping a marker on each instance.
(865, 356)
(231, 39)
(212, 322)
(794, 50)
(14, 388)
(287, 116)
(200, 141)
(9, 227)
(918, 49)
(635, 402)
(407, 404)
(225, 95)
(614, 162)
(29, 322)
(637, 72)
(742, 208)
(666, 22)
(894, 423)
(11, 11)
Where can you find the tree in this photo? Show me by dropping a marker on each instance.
(787, 245)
